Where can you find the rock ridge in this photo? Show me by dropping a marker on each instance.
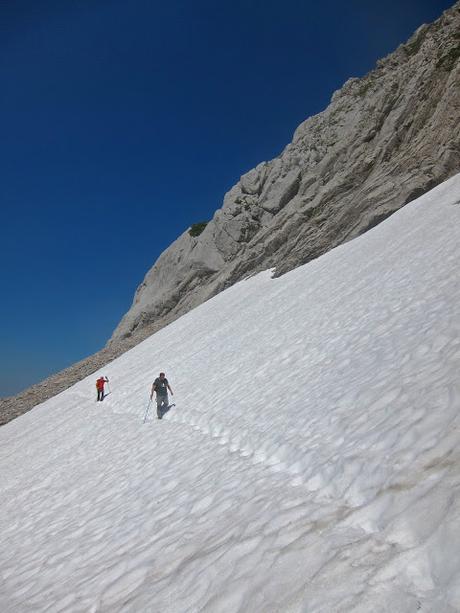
(383, 141)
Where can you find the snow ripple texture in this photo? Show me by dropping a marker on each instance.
(311, 465)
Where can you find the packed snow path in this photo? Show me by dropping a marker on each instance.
(312, 463)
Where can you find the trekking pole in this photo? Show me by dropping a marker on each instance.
(108, 386)
(147, 410)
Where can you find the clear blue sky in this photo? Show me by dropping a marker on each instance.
(123, 122)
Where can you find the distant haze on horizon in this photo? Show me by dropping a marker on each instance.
(125, 123)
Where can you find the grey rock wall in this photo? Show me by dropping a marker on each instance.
(384, 140)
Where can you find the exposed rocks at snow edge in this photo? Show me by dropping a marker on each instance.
(383, 141)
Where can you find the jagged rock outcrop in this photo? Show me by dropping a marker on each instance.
(384, 140)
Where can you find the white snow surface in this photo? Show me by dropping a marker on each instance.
(312, 463)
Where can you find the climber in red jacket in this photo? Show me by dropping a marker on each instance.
(100, 387)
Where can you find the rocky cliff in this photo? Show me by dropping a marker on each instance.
(383, 141)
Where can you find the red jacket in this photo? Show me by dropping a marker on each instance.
(100, 383)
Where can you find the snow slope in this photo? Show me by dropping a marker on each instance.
(312, 463)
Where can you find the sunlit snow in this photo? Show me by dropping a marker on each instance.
(311, 463)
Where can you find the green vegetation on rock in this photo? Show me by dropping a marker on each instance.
(449, 59)
(197, 228)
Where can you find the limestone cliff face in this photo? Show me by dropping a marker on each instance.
(383, 141)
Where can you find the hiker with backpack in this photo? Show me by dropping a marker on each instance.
(100, 387)
(160, 387)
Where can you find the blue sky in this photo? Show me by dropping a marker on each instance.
(124, 122)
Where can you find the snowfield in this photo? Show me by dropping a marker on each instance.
(311, 465)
